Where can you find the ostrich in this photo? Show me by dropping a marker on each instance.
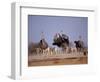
(39, 46)
(79, 45)
(61, 41)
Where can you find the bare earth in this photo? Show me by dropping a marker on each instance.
(45, 60)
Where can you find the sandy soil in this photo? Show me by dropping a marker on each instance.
(57, 60)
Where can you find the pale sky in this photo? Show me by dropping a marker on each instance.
(50, 25)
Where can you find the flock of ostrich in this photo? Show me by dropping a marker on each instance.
(61, 45)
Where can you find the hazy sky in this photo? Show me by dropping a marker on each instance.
(50, 25)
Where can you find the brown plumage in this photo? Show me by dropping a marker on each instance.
(41, 45)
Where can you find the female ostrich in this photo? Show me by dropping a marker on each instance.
(41, 45)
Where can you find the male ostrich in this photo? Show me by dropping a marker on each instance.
(79, 45)
(61, 41)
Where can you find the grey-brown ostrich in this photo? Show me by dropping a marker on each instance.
(42, 45)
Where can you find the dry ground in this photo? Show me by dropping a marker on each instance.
(66, 61)
(57, 60)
